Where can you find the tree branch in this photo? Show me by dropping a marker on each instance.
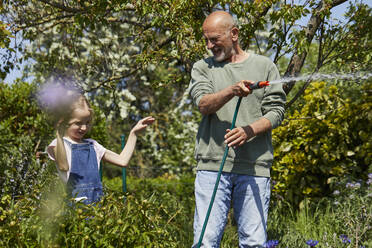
(111, 79)
(62, 7)
(297, 60)
(43, 22)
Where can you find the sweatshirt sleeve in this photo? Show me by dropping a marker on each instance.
(273, 103)
(200, 83)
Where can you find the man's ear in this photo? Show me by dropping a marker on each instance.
(234, 33)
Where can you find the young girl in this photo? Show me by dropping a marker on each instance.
(78, 159)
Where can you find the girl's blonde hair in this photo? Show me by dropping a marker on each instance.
(62, 116)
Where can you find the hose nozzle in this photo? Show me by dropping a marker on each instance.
(258, 85)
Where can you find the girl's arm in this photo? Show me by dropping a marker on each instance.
(124, 157)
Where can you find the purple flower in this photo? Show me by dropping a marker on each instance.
(370, 175)
(312, 243)
(369, 181)
(336, 192)
(345, 239)
(272, 243)
(349, 185)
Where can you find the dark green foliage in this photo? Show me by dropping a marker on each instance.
(98, 131)
(21, 173)
(23, 131)
(182, 189)
(156, 220)
(20, 116)
(6, 51)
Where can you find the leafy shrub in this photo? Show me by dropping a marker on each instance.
(20, 116)
(168, 146)
(20, 172)
(181, 189)
(328, 138)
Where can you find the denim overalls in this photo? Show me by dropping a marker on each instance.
(84, 180)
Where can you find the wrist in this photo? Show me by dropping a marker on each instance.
(249, 131)
(231, 91)
(132, 133)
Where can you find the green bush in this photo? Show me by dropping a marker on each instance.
(21, 173)
(20, 116)
(23, 131)
(117, 221)
(181, 189)
(328, 138)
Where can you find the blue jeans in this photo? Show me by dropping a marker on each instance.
(250, 197)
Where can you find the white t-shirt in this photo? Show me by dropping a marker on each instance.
(64, 175)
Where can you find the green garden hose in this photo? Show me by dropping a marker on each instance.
(218, 176)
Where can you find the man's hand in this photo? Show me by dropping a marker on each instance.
(238, 136)
(241, 88)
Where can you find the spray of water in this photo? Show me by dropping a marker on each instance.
(318, 76)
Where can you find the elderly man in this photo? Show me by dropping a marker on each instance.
(245, 181)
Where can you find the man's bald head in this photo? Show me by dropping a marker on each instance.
(219, 20)
(221, 36)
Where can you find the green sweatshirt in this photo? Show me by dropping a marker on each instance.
(254, 157)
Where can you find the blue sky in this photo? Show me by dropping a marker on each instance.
(337, 13)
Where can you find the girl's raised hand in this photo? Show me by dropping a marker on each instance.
(142, 124)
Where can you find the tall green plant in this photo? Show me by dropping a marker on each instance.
(21, 173)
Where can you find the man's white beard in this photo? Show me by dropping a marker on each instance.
(221, 57)
(224, 54)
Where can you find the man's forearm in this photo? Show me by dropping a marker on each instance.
(260, 126)
(210, 103)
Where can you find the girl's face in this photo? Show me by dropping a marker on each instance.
(79, 124)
